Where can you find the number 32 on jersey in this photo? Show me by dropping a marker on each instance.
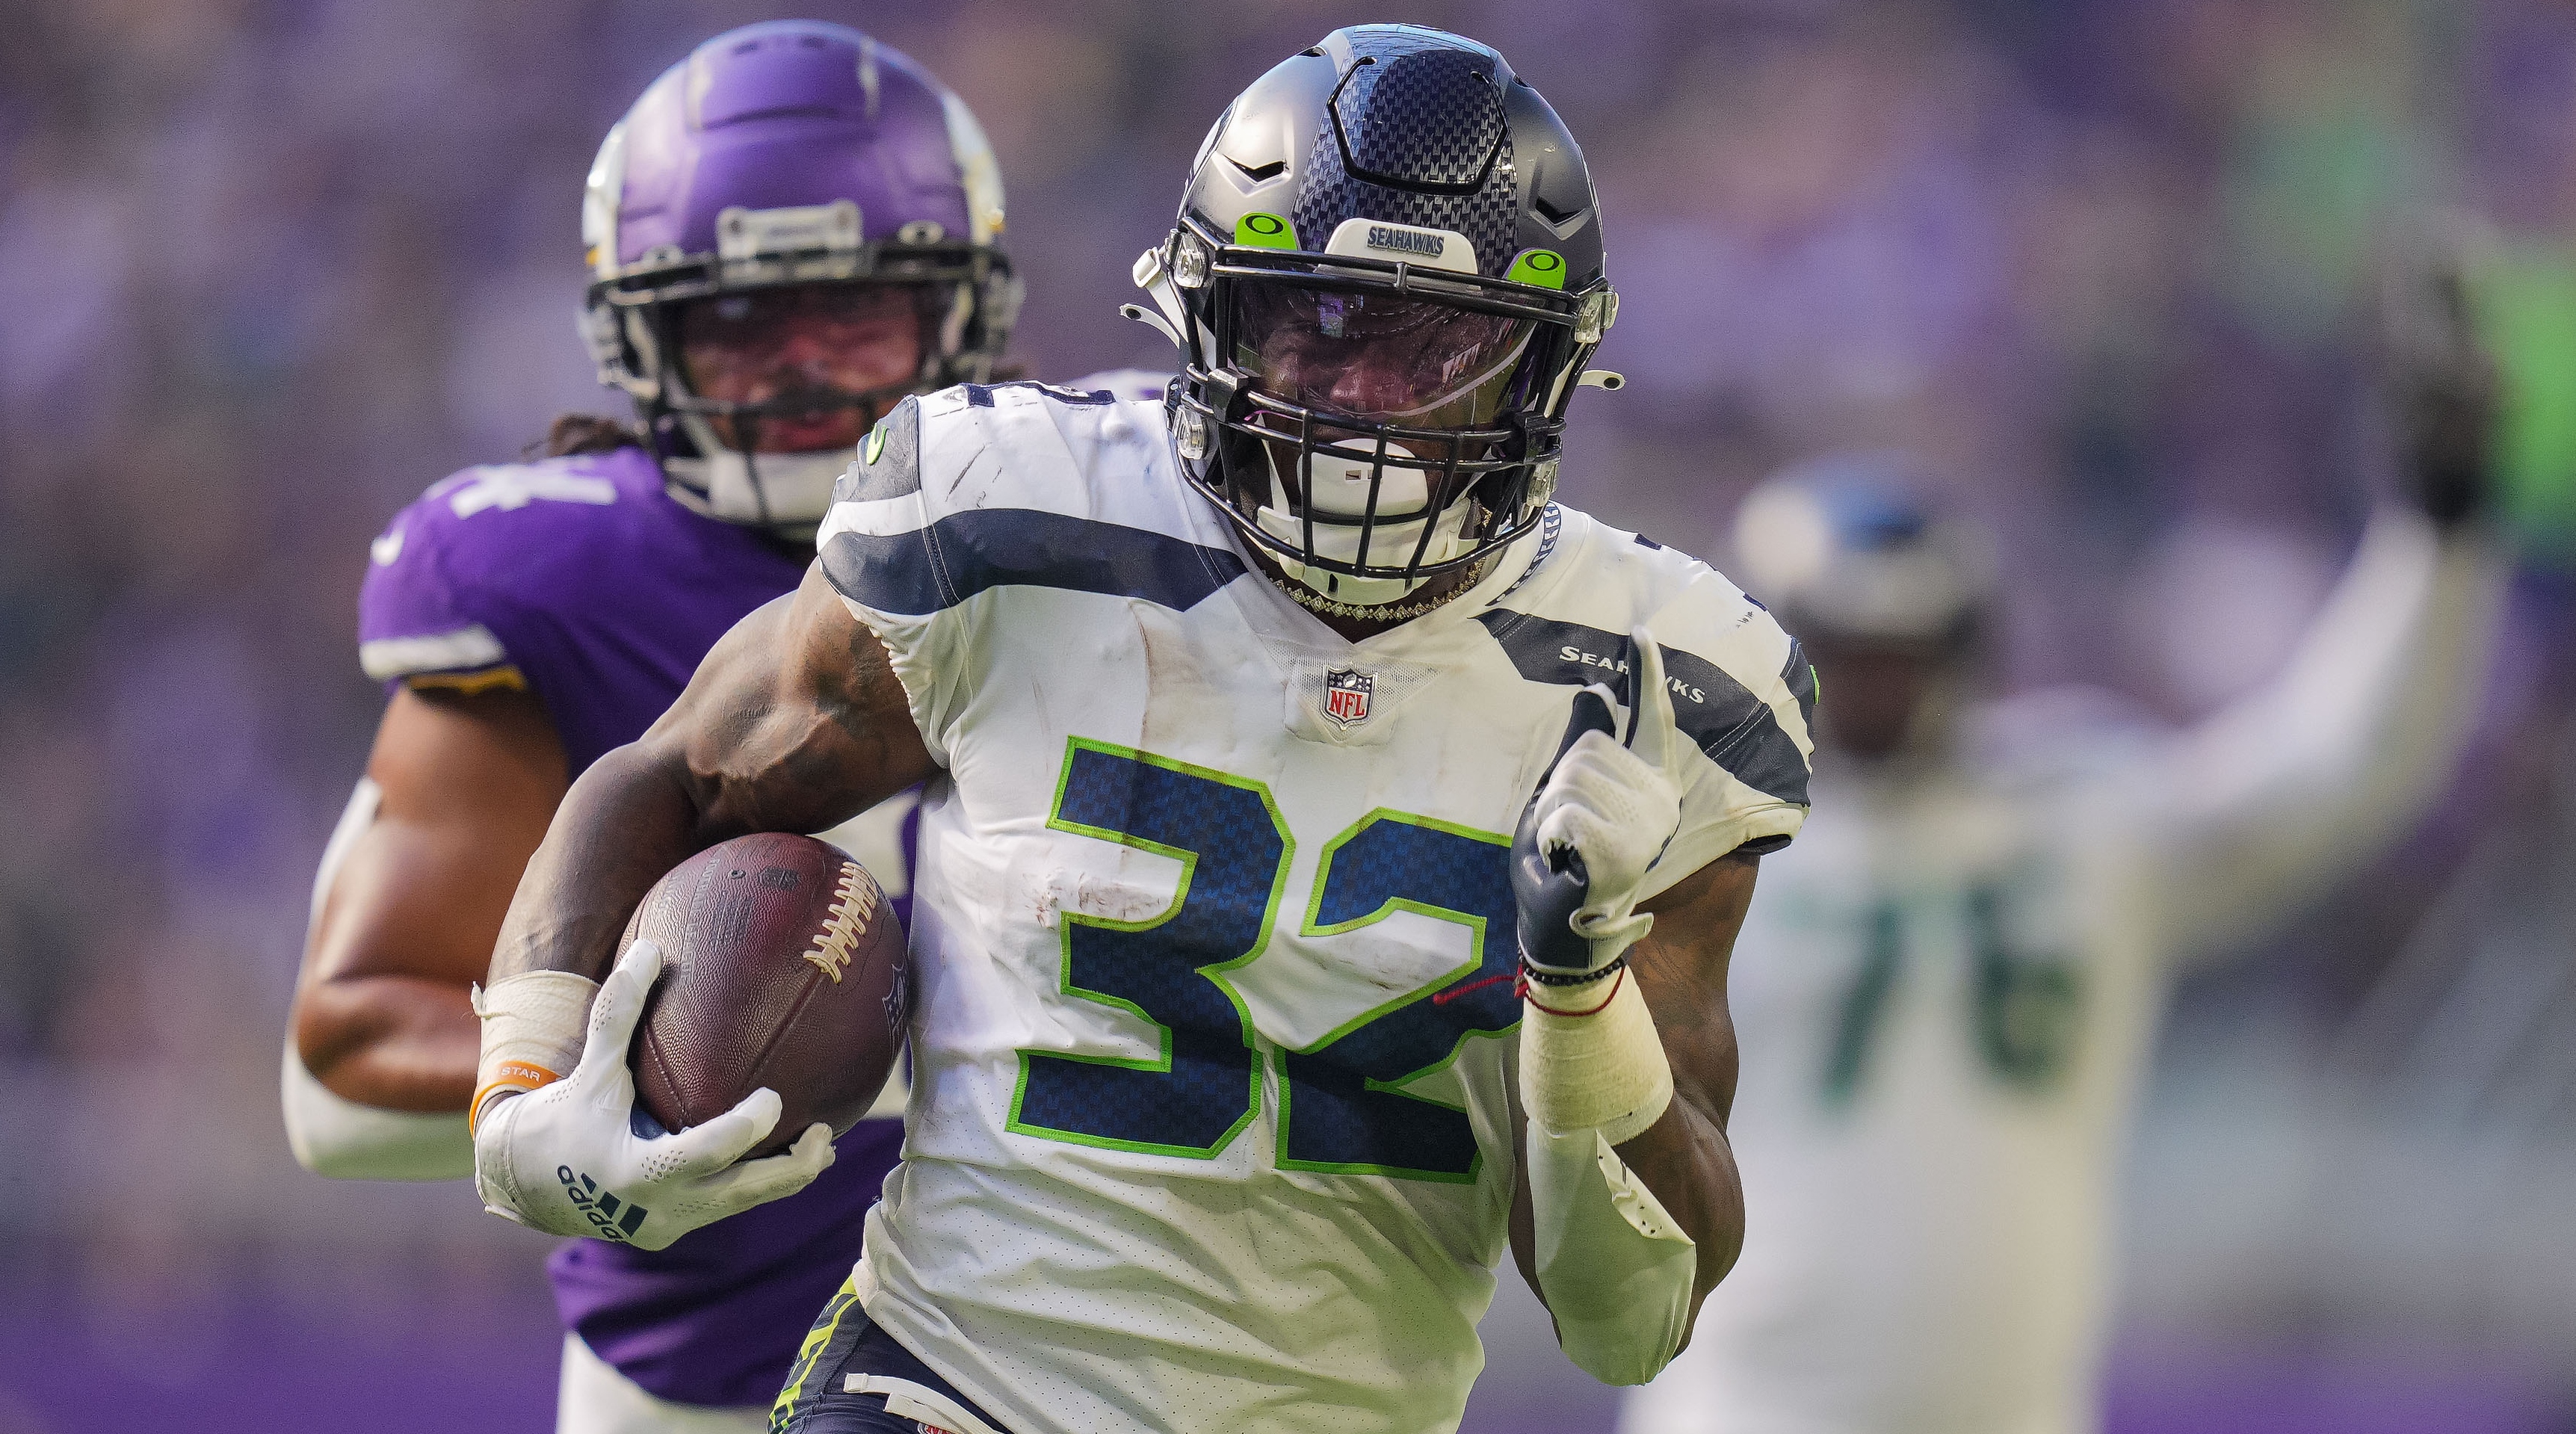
(1342, 1106)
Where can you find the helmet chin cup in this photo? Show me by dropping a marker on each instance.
(785, 492)
(1337, 483)
(1341, 542)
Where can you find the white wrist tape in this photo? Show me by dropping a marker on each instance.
(532, 1032)
(337, 1137)
(1615, 1268)
(1603, 1069)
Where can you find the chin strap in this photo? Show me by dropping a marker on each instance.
(1316, 602)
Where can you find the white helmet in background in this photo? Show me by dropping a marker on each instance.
(1843, 549)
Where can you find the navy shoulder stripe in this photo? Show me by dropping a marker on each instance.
(931, 570)
(1736, 729)
(889, 461)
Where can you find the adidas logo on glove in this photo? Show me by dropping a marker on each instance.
(600, 1207)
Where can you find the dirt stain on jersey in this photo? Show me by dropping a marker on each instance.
(1103, 898)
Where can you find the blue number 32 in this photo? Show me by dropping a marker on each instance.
(1341, 1109)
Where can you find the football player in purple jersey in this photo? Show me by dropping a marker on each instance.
(789, 232)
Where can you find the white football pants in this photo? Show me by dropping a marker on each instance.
(595, 1399)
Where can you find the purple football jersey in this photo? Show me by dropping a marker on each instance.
(581, 580)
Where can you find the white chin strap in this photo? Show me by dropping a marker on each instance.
(783, 490)
(1337, 482)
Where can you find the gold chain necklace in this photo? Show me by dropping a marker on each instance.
(1316, 602)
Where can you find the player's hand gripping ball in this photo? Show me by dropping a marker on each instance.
(764, 975)
(782, 970)
(568, 1159)
(1602, 815)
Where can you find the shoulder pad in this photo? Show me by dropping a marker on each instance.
(889, 461)
(1741, 687)
(448, 572)
(1016, 485)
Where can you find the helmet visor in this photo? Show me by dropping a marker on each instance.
(812, 363)
(1390, 359)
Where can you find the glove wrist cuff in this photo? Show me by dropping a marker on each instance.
(494, 1178)
(1609, 944)
(533, 1025)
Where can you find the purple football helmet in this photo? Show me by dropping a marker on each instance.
(791, 152)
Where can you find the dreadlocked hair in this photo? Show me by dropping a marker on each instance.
(573, 433)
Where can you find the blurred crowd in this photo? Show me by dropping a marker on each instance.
(269, 267)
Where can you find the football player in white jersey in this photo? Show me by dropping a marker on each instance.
(1332, 846)
(1951, 983)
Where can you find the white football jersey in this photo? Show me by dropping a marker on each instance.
(1212, 1029)
(1946, 991)
(1943, 994)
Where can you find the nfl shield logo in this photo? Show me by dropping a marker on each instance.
(1346, 696)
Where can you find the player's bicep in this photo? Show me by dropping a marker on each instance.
(795, 721)
(464, 789)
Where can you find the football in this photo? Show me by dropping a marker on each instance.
(783, 966)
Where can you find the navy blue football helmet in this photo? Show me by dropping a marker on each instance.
(1385, 282)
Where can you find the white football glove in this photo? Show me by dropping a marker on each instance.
(567, 1159)
(1601, 817)
(1590, 1057)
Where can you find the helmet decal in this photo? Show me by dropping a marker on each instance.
(599, 201)
(1264, 231)
(1543, 267)
(1419, 118)
(1391, 151)
(975, 161)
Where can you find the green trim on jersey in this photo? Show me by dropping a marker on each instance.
(1161, 1063)
(1476, 933)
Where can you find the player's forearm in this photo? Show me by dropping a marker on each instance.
(2396, 660)
(2281, 791)
(633, 816)
(1624, 1240)
(1684, 1157)
(403, 1043)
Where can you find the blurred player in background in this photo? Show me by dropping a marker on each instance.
(789, 232)
(1949, 987)
(1257, 725)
